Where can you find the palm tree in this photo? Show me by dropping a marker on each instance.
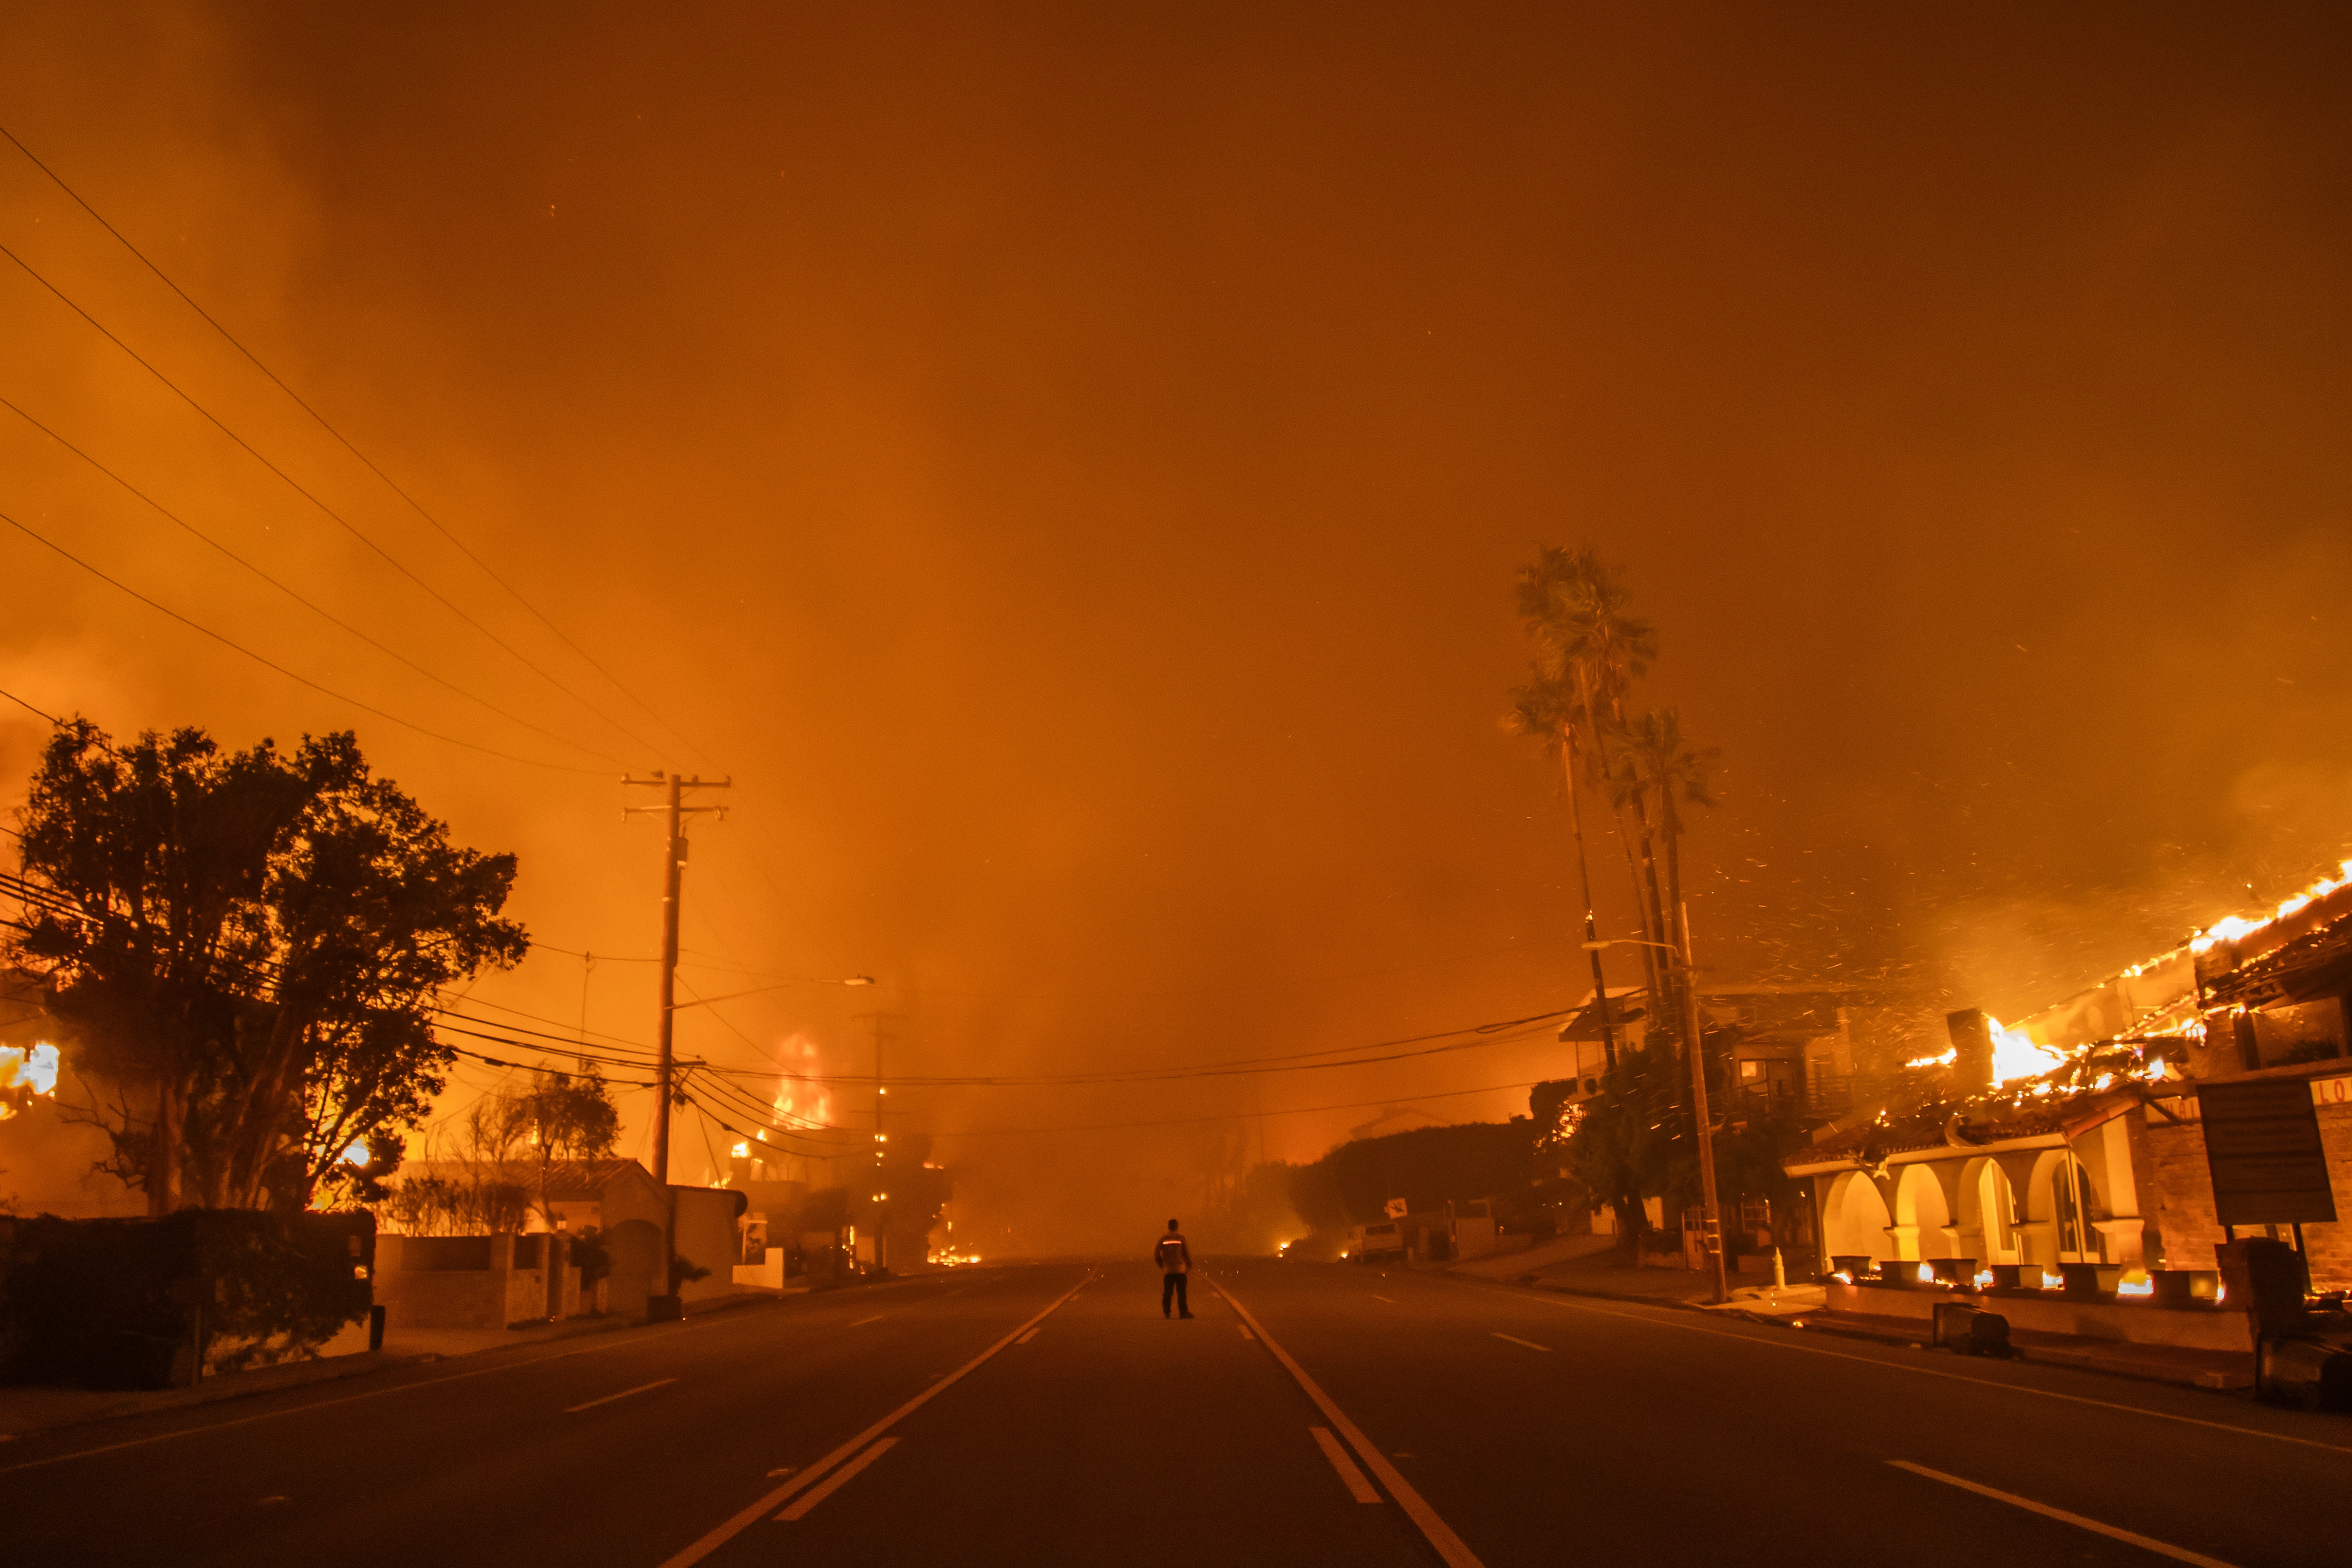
(1582, 620)
(1546, 710)
(1659, 764)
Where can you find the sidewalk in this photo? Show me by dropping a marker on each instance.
(2225, 1371)
(1601, 1274)
(25, 1411)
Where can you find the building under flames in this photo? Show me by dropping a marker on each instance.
(2077, 1137)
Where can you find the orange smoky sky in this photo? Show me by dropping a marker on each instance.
(1066, 464)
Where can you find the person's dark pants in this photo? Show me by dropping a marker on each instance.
(1172, 1289)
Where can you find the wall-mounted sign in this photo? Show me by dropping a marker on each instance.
(2263, 1149)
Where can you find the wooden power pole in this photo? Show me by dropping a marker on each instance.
(674, 811)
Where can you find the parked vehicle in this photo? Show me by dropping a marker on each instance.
(1368, 1243)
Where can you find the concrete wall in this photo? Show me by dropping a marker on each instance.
(705, 1237)
(423, 1283)
(470, 1281)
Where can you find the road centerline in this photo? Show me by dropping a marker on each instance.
(641, 1388)
(2114, 1532)
(834, 1483)
(734, 1526)
(1516, 1341)
(1358, 1487)
(1450, 1546)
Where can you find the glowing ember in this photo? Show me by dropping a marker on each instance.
(26, 1073)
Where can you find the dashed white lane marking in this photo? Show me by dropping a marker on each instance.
(1027, 1337)
(1771, 1343)
(1245, 1329)
(1516, 1341)
(863, 1321)
(728, 1530)
(2132, 1538)
(1358, 1487)
(641, 1388)
(1450, 1547)
(1377, 1297)
(838, 1480)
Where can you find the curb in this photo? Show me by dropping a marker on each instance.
(2206, 1381)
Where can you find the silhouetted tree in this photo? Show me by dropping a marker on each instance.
(254, 938)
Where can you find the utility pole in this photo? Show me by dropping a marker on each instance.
(881, 1151)
(674, 811)
(1711, 1215)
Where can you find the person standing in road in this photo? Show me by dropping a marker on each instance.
(1175, 1260)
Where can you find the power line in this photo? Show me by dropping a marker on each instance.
(345, 442)
(271, 664)
(329, 616)
(337, 517)
(1228, 1116)
(1501, 1033)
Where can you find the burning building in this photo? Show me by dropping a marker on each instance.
(2077, 1137)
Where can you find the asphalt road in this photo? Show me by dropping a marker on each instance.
(1310, 1414)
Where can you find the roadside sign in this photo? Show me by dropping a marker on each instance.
(2262, 1150)
(1394, 1208)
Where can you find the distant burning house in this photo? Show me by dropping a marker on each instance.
(1795, 1050)
(2077, 1136)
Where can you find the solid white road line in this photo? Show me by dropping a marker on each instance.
(1439, 1533)
(735, 1526)
(1030, 1335)
(658, 1382)
(1516, 1341)
(617, 1342)
(2132, 1538)
(1769, 1342)
(810, 1500)
(1361, 1488)
(875, 1318)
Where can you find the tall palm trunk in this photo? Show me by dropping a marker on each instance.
(1584, 882)
(1641, 862)
(1625, 837)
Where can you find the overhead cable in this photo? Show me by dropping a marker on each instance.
(291, 675)
(321, 612)
(299, 401)
(338, 518)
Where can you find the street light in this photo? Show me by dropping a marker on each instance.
(1711, 1214)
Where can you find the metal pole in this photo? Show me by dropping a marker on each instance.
(881, 1206)
(1711, 1215)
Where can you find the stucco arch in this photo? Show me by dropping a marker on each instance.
(1922, 1214)
(1987, 1215)
(1855, 1217)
